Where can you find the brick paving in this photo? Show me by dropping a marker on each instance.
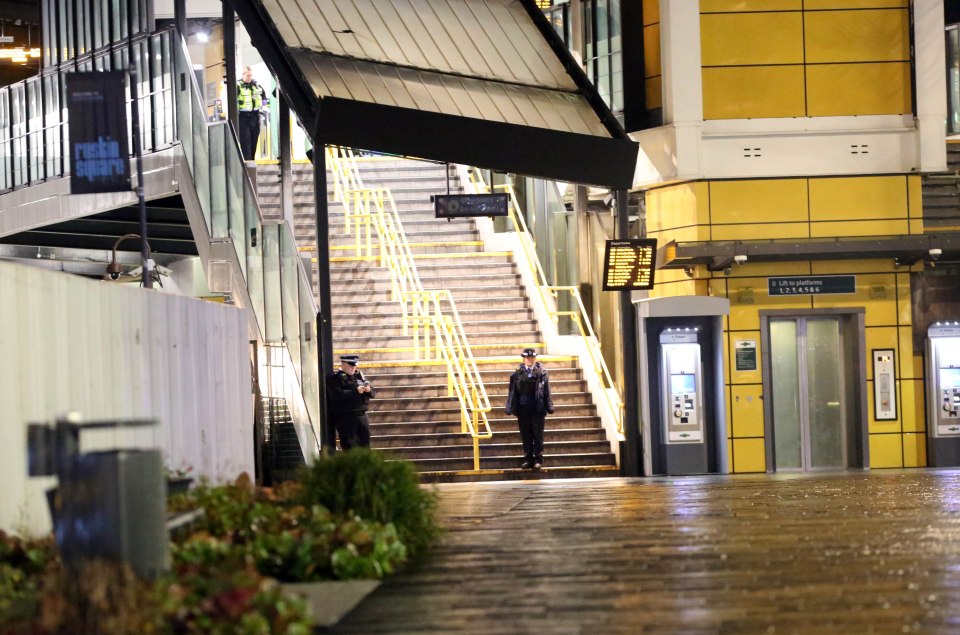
(858, 552)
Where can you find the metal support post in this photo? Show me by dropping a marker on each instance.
(286, 167)
(146, 269)
(325, 311)
(230, 63)
(180, 16)
(631, 460)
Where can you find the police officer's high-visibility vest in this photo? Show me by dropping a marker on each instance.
(249, 97)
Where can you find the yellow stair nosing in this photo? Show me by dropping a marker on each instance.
(407, 349)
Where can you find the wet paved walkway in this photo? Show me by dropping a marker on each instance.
(864, 552)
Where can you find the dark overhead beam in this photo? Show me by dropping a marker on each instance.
(87, 241)
(27, 11)
(538, 152)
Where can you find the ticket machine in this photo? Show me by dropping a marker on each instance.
(683, 423)
(943, 394)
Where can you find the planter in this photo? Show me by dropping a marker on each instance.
(328, 602)
(178, 485)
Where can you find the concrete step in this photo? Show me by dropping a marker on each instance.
(454, 439)
(512, 462)
(450, 260)
(362, 341)
(497, 450)
(384, 306)
(453, 414)
(469, 278)
(487, 365)
(559, 377)
(350, 251)
(465, 294)
(389, 404)
(516, 474)
(453, 235)
(391, 327)
(374, 355)
(500, 425)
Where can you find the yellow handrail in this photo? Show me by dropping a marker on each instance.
(430, 317)
(579, 316)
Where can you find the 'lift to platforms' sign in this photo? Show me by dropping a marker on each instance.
(470, 205)
(811, 285)
(99, 154)
(629, 264)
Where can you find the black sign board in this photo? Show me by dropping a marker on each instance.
(811, 285)
(629, 264)
(470, 205)
(99, 154)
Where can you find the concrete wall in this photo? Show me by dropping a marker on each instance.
(112, 351)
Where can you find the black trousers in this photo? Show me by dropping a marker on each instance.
(249, 132)
(531, 433)
(353, 430)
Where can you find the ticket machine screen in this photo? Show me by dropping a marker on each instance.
(950, 378)
(681, 384)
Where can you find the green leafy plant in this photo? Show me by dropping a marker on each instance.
(362, 483)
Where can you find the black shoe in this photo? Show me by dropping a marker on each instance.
(526, 465)
(537, 465)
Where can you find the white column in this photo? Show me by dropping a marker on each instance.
(682, 84)
(931, 84)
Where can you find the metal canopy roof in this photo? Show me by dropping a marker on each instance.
(904, 250)
(482, 82)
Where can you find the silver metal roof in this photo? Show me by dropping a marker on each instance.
(483, 59)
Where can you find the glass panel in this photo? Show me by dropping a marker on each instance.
(234, 183)
(98, 21)
(65, 128)
(953, 80)
(290, 290)
(66, 29)
(18, 106)
(6, 182)
(785, 384)
(309, 371)
(35, 127)
(83, 28)
(184, 105)
(141, 56)
(254, 255)
(273, 327)
(824, 390)
(201, 176)
(217, 222)
(51, 97)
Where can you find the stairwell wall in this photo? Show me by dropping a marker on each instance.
(111, 352)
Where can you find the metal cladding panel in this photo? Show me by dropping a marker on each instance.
(486, 39)
(446, 94)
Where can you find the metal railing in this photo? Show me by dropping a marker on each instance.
(430, 316)
(547, 291)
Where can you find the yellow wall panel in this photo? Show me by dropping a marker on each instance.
(912, 405)
(781, 200)
(886, 450)
(762, 231)
(749, 456)
(746, 317)
(653, 93)
(651, 11)
(718, 289)
(915, 196)
(904, 300)
(880, 427)
(914, 450)
(728, 422)
(857, 36)
(762, 270)
(752, 92)
(858, 198)
(856, 89)
(905, 354)
(916, 226)
(709, 6)
(740, 39)
(878, 313)
(812, 5)
(859, 228)
(651, 50)
(747, 411)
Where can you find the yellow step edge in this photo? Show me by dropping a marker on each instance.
(390, 363)
(468, 254)
(409, 349)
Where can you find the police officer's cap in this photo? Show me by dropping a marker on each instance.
(350, 359)
(528, 352)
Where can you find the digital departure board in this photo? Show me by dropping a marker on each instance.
(470, 205)
(629, 264)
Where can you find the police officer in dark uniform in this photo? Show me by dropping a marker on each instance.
(348, 396)
(529, 398)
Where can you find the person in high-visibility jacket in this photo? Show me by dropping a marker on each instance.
(250, 99)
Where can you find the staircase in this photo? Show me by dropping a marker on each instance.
(282, 453)
(412, 417)
(941, 195)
